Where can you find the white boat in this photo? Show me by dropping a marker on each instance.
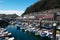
(11, 38)
(35, 30)
(38, 33)
(6, 32)
(7, 38)
(9, 34)
(43, 34)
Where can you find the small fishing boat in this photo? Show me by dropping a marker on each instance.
(5, 34)
(7, 38)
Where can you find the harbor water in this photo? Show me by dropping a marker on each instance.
(20, 35)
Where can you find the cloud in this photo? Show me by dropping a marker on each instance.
(11, 12)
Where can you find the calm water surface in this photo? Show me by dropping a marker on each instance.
(20, 35)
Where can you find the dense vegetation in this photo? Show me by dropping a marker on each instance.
(43, 5)
(4, 23)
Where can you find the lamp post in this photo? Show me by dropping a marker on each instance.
(54, 31)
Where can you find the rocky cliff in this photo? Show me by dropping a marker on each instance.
(43, 5)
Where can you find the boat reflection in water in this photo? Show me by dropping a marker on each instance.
(20, 35)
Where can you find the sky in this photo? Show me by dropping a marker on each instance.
(15, 5)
